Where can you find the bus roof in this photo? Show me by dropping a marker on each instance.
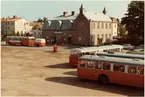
(121, 55)
(88, 49)
(124, 61)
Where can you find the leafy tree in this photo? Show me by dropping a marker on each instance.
(44, 19)
(39, 20)
(18, 34)
(134, 21)
(122, 30)
(13, 33)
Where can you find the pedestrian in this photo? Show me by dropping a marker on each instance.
(55, 48)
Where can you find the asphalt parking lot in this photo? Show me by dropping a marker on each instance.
(34, 71)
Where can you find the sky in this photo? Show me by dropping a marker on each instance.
(32, 10)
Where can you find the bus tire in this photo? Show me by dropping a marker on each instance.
(103, 79)
(37, 45)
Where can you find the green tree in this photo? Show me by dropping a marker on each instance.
(44, 19)
(13, 33)
(39, 20)
(122, 30)
(17, 34)
(134, 21)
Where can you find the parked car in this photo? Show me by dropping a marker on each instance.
(128, 47)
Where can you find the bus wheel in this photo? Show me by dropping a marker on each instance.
(103, 79)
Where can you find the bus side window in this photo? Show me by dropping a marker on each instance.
(89, 64)
(120, 68)
(132, 69)
(80, 54)
(87, 53)
(106, 66)
(140, 70)
(97, 65)
(92, 53)
(82, 63)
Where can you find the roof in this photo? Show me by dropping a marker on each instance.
(10, 19)
(97, 16)
(89, 15)
(123, 61)
(68, 17)
(94, 49)
(114, 20)
(121, 55)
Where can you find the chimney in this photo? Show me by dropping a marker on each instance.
(14, 16)
(73, 12)
(64, 13)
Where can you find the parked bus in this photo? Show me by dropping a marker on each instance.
(120, 55)
(25, 41)
(78, 52)
(106, 70)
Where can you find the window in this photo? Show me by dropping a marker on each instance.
(132, 69)
(140, 70)
(102, 35)
(106, 36)
(106, 26)
(82, 63)
(118, 67)
(102, 25)
(97, 65)
(12, 23)
(110, 36)
(115, 26)
(98, 36)
(98, 25)
(106, 66)
(110, 25)
(89, 64)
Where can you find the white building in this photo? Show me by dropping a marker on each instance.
(15, 25)
(36, 29)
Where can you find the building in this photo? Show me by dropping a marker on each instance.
(15, 25)
(36, 29)
(85, 28)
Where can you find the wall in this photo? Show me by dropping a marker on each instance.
(81, 35)
(99, 31)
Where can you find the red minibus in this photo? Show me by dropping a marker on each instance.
(78, 52)
(106, 70)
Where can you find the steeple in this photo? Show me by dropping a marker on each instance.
(104, 10)
(81, 9)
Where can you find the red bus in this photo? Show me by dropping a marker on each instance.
(120, 55)
(78, 52)
(25, 41)
(106, 70)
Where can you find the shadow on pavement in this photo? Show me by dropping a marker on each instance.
(113, 88)
(61, 65)
(74, 73)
